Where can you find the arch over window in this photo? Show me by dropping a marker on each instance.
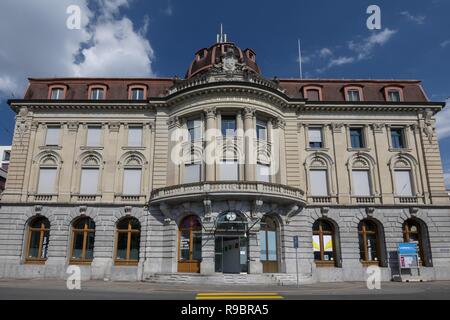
(269, 244)
(189, 244)
(319, 168)
(415, 230)
(371, 243)
(38, 240)
(325, 244)
(83, 236)
(312, 93)
(128, 236)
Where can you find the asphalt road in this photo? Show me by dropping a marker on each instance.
(92, 290)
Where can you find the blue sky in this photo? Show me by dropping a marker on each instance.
(160, 37)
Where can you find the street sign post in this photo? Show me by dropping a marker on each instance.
(296, 257)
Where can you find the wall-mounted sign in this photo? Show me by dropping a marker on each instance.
(295, 242)
(408, 257)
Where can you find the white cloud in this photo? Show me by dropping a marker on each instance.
(416, 19)
(325, 52)
(443, 122)
(168, 11)
(42, 46)
(445, 43)
(364, 48)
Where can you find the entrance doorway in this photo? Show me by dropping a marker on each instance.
(231, 254)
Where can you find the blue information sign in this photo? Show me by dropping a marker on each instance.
(407, 255)
(295, 242)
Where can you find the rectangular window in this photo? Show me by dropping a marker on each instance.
(94, 135)
(89, 181)
(313, 95)
(229, 170)
(319, 183)
(357, 138)
(261, 130)
(97, 94)
(397, 138)
(135, 136)
(263, 172)
(192, 173)
(57, 93)
(137, 94)
(47, 181)
(6, 155)
(194, 127)
(315, 137)
(132, 181)
(353, 95)
(394, 95)
(361, 183)
(52, 138)
(403, 183)
(228, 126)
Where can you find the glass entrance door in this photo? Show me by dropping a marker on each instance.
(231, 254)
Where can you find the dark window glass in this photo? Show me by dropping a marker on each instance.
(228, 126)
(39, 236)
(313, 95)
(97, 94)
(394, 95)
(137, 94)
(397, 137)
(353, 95)
(356, 137)
(57, 93)
(128, 241)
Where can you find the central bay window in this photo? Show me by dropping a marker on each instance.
(323, 243)
(135, 136)
(369, 242)
(228, 125)
(357, 138)
(94, 134)
(263, 172)
(89, 181)
(261, 130)
(83, 234)
(229, 170)
(52, 136)
(128, 235)
(403, 185)
(192, 172)
(315, 137)
(318, 182)
(361, 183)
(38, 240)
(194, 127)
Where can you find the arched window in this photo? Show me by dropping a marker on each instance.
(414, 231)
(190, 244)
(324, 243)
(128, 235)
(269, 245)
(369, 242)
(90, 175)
(132, 176)
(83, 235)
(38, 240)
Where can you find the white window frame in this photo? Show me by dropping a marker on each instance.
(90, 129)
(53, 140)
(132, 128)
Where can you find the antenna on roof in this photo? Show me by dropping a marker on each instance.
(221, 38)
(300, 59)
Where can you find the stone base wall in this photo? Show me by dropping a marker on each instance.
(159, 241)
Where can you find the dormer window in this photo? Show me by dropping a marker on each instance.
(393, 94)
(97, 92)
(201, 54)
(312, 93)
(353, 94)
(57, 92)
(137, 92)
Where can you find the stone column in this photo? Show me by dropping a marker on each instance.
(207, 266)
(280, 143)
(250, 156)
(254, 250)
(211, 114)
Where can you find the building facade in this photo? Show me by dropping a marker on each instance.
(216, 173)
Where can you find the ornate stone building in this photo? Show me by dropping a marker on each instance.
(215, 174)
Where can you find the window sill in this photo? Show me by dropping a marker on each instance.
(133, 148)
(370, 263)
(400, 150)
(358, 149)
(50, 147)
(317, 149)
(80, 262)
(325, 264)
(35, 261)
(131, 263)
(91, 148)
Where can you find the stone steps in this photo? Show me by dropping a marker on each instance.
(279, 279)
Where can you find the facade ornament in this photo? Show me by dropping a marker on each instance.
(428, 129)
(324, 211)
(38, 209)
(114, 126)
(337, 127)
(257, 206)
(280, 123)
(72, 126)
(83, 210)
(127, 210)
(292, 211)
(414, 211)
(370, 211)
(23, 112)
(173, 122)
(210, 112)
(378, 127)
(207, 204)
(248, 112)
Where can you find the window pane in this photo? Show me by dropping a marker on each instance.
(94, 136)
(361, 185)
(197, 245)
(403, 183)
(34, 244)
(57, 94)
(356, 138)
(134, 248)
(90, 246)
(353, 95)
(89, 181)
(228, 126)
(316, 246)
(132, 181)
(195, 129)
(122, 246)
(272, 245)
(97, 94)
(229, 170)
(319, 184)
(261, 130)
(262, 245)
(262, 172)
(77, 245)
(185, 243)
(47, 181)
(137, 94)
(372, 247)
(192, 173)
(313, 95)
(328, 248)
(315, 137)
(135, 136)
(397, 138)
(394, 96)
(52, 138)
